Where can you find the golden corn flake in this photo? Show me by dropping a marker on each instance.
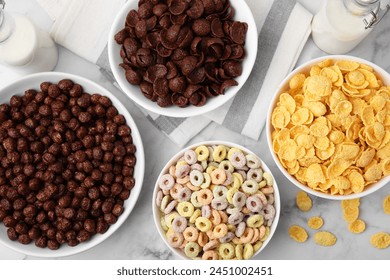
(340, 80)
(325, 238)
(370, 78)
(335, 120)
(343, 108)
(298, 129)
(357, 105)
(325, 63)
(315, 174)
(315, 222)
(298, 233)
(347, 151)
(330, 73)
(384, 152)
(386, 166)
(315, 70)
(319, 129)
(336, 136)
(368, 116)
(318, 86)
(357, 226)
(373, 173)
(288, 150)
(356, 79)
(317, 108)
(365, 158)
(287, 102)
(378, 103)
(350, 214)
(297, 81)
(380, 240)
(300, 116)
(280, 118)
(350, 91)
(357, 181)
(386, 205)
(322, 143)
(347, 65)
(337, 167)
(303, 201)
(366, 67)
(352, 203)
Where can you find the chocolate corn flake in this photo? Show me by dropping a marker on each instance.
(182, 52)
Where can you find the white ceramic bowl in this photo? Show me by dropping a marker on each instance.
(242, 13)
(304, 68)
(174, 159)
(33, 82)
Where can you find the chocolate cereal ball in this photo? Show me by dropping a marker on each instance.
(66, 165)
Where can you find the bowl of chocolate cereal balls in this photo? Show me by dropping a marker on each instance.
(216, 201)
(71, 164)
(328, 127)
(182, 58)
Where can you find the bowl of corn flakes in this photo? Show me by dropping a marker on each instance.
(216, 200)
(328, 127)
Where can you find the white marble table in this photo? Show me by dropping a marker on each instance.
(137, 237)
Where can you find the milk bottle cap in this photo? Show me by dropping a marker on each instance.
(376, 15)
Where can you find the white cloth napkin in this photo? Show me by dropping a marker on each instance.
(82, 26)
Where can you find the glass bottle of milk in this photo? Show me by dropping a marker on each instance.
(23, 47)
(341, 25)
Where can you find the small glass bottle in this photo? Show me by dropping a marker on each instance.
(23, 47)
(341, 25)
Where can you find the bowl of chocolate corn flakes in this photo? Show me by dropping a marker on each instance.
(328, 127)
(71, 168)
(216, 201)
(182, 58)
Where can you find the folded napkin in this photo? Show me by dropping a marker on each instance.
(82, 26)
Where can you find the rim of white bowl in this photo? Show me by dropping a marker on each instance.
(31, 249)
(304, 68)
(173, 159)
(174, 111)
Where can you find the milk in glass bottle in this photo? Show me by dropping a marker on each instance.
(23, 47)
(341, 25)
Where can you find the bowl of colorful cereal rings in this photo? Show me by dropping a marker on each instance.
(328, 127)
(216, 200)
